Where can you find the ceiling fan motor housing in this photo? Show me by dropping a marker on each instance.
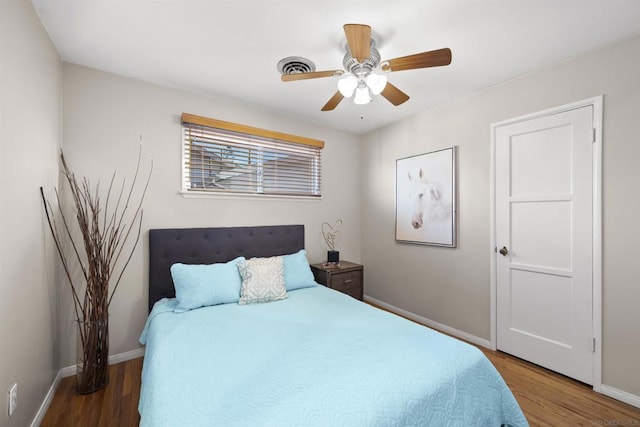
(352, 65)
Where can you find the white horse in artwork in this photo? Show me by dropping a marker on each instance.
(429, 203)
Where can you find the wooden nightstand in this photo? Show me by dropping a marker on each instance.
(345, 277)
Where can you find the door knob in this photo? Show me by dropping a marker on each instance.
(504, 251)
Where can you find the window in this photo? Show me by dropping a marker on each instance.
(228, 158)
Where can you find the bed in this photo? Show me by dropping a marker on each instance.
(315, 358)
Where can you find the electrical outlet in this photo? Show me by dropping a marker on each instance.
(12, 398)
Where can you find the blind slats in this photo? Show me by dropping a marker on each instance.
(238, 142)
(227, 161)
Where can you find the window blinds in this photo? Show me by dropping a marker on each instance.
(223, 157)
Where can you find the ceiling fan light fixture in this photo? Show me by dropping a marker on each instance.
(347, 85)
(363, 95)
(376, 82)
(365, 74)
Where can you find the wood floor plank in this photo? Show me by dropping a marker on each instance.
(546, 398)
(550, 399)
(102, 408)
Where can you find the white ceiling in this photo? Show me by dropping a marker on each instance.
(232, 47)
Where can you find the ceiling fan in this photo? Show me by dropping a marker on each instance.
(364, 72)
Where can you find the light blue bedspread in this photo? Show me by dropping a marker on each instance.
(318, 358)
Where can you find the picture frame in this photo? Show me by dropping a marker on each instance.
(426, 198)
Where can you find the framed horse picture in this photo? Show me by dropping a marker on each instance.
(426, 198)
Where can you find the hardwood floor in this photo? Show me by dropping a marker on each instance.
(551, 399)
(547, 398)
(116, 405)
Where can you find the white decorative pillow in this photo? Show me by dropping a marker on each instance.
(262, 280)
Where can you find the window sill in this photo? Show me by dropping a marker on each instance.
(245, 196)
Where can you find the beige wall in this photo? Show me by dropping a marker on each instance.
(103, 116)
(451, 286)
(30, 129)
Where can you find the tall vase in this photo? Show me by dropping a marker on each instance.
(93, 354)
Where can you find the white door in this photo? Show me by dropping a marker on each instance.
(544, 241)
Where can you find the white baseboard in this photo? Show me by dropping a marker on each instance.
(113, 359)
(430, 323)
(68, 371)
(127, 355)
(620, 395)
(71, 370)
(42, 410)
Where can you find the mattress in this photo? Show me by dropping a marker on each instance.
(317, 358)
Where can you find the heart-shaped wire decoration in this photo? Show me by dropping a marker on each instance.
(331, 233)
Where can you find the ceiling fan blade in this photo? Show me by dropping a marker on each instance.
(312, 75)
(359, 40)
(434, 58)
(333, 102)
(394, 95)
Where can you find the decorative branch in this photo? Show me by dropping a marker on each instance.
(104, 232)
(56, 239)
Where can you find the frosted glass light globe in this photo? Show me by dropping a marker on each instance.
(376, 83)
(363, 95)
(347, 85)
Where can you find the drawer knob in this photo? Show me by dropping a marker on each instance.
(348, 281)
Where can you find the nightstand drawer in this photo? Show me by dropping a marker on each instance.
(353, 292)
(346, 277)
(347, 280)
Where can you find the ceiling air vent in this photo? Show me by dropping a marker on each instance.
(295, 65)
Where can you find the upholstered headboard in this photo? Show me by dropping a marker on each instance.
(211, 245)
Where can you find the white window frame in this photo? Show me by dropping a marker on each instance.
(254, 138)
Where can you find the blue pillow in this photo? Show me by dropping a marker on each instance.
(201, 285)
(297, 273)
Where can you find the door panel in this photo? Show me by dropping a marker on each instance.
(544, 217)
(541, 233)
(539, 173)
(533, 293)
